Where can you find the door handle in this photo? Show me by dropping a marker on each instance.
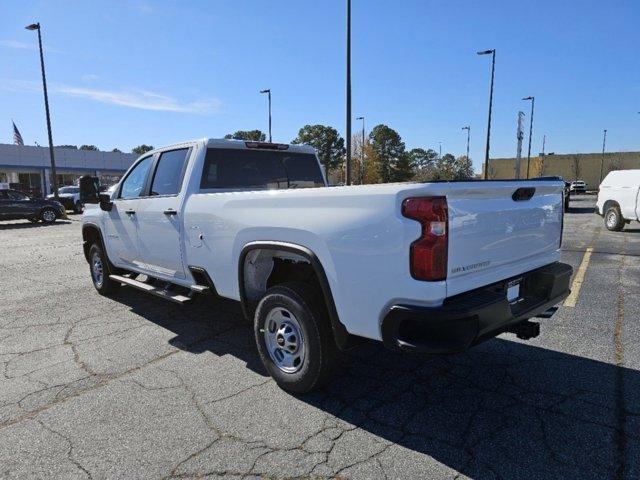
(170, 211)
(130, 212)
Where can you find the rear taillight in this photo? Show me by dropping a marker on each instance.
(428, 255)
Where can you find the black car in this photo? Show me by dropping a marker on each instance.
(15, 205)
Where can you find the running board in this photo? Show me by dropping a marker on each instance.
(145, 287)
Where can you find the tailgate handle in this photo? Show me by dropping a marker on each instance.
(522, 194)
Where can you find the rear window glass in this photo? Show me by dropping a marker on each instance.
(260, 169)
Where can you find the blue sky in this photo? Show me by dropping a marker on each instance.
(122, 72)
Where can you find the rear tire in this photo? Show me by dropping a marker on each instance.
(294, 337)
(48, 215)
(77, 208)
(613, 219)
(98, 267)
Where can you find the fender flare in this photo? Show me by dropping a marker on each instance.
(92, 226)
(342, 337)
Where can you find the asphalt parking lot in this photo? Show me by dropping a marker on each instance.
(136, 387)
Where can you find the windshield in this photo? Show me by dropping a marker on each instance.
(260, 169)
(69, 190)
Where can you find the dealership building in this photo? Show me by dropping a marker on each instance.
(28, 168)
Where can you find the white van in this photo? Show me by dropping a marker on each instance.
(618, 201)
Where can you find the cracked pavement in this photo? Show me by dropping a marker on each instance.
(136, 387)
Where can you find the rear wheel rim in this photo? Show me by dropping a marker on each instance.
(97, 270)
(48, 216)
(284, 340)
(612, 219)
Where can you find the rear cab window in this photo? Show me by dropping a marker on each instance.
(248, 169)
(167, 178)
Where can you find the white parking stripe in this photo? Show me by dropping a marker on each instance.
(572, 299)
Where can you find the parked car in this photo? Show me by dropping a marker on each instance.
(578, 186)
(16, 205)
(70, 198)
(430, 267)
(618, 198)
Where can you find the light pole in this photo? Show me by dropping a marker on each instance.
(268, 92)
(439, 150)
(533, 101)
(36, 26)
(362, 153)
(604, 141)
(493, 69)
(468, 129)
(348, 179)
(544, 141)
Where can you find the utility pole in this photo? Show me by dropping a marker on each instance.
(493, 69)
(362, 153)
(468, 129)
(533, 101)
(544, 141)
(439, 150)
(348, 182)
(604, 141)
(268, 92)
(54, 177)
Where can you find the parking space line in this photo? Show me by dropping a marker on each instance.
(572, 299)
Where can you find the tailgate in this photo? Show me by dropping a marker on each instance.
(497, 230)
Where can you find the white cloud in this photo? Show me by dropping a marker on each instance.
(26, 46)
(141, 99)
(89, 77)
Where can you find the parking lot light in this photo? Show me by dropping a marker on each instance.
(533, 101)
(54, 179)
(493, 69)
(268, 92)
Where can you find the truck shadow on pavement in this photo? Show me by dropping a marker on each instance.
(505, 409)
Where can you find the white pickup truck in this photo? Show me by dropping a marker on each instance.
(431, 267)
(619, 198)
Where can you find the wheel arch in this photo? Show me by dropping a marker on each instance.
(90, 234)
(341, 335)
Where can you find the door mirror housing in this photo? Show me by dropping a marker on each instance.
(89, 189)
(105, 202)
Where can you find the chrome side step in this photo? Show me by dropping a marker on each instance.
(199, 288)
(145, 287)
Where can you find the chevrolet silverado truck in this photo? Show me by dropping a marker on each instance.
(619, 199)
(429, 267)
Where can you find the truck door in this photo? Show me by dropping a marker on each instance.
(121, 224)
(160, 217)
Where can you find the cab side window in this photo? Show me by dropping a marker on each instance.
(168, 176)
(133, 185)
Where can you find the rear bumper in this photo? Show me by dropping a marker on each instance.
(472, 317)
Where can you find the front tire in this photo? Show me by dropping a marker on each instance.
(48, 215)
(77, 208)
(613, 219)
(99, 269)
(294, 337)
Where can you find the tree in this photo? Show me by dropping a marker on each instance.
(389, 149)
(116, 150)
(371, 173)
(451, 168)
(423, 159)
(576, 168)
(72, 147)
(247, 136)
(141, 149)
(403, 169)
(327, 142)
(89, 147)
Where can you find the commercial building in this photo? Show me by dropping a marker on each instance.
(28, 168)
(575, 166)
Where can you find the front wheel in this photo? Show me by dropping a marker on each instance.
(613, 219)
(100, 272)
(294, 337)
(48, 215)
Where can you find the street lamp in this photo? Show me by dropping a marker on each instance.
(348, 179)
(36, 26)
(268, 92)
(493, 68)
(604, 141)
(533, 101)
(439, 150)
(362, 152)
(468, 129)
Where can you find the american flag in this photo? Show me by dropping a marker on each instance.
(17, 138)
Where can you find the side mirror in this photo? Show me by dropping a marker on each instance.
(105, 202)
(89, 189)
